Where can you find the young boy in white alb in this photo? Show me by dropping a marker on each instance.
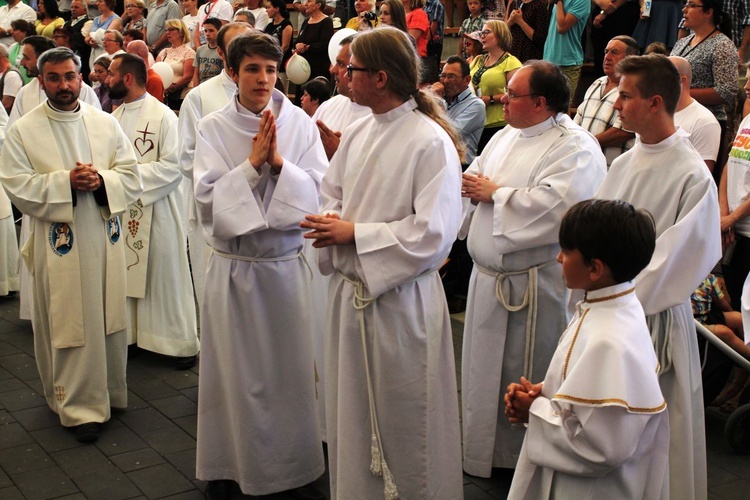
(597, 425)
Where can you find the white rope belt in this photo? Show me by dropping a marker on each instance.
(529, 302)
(247, 258)
(378, 465)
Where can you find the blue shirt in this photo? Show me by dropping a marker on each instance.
(436, 12)
(564, 49)
(466, 113)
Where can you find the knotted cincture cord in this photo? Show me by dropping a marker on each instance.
(529, 302)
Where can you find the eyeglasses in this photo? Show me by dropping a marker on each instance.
(172, 29)
(131, 5)
(692, 5)
(484, 33)
(109, 40)
(55, 78)
(448, 76)
(351, 69)
(511, 95)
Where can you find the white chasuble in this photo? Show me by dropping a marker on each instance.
(670, 180)
(76, 254)
(599, 429)
(516, 305)
(257, 421)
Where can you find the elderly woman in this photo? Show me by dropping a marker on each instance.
(105, 21)
(180, 57)
(361, 6)
(713, 59)
(134, 9)
(49, 18)
(391, 194)
(312, 43)
(490, 74)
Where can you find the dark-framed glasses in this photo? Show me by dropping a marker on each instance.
(351, 69)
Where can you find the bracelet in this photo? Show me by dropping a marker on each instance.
(492, 99)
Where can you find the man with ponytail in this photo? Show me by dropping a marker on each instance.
(517, 192)
(391, 210)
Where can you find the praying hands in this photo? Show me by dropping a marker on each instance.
(264, 145)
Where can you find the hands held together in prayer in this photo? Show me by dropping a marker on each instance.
(264, 145)
(85, 177)
(518, 399)
(478, 188)
(328, 230)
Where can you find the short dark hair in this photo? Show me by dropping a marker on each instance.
(133, 34)
(631, 46)
(214, 21)
(465, 70)
(41, 44)
(657, 75)
(318, 88)
(548, 80)
(134, 65)
(23, 25)
(57, 55)
(221, 36)
(613, 231)
(255, 43)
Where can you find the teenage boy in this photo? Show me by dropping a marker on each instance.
(207, 61)
(258, 162)
(665, 175)
(602, 376)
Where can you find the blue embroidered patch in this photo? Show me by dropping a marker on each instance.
(113, 230)
(60, 238)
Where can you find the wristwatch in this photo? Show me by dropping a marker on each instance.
(492, 99)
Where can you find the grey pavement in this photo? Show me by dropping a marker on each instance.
(148, 451)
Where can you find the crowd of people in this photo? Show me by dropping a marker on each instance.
(320, 242)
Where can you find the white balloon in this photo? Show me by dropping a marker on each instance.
(335, 42)
(165, 71)
(297, 69)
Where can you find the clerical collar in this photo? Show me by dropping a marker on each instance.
(58, 110)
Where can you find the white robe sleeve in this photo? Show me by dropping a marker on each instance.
(230, 203)
(685, 253)
(582, 440)
(529, 217)
(43, 196)
(163, 176)
(122, 179)
(190, 113)
(395, 252)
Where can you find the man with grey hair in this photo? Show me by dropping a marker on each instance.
(10, 80)
(695, 119)
(596, 114)
(72, 191)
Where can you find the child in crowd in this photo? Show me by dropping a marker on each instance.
(473, 23)
(598, 425)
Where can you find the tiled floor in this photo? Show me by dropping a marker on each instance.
(148, 451)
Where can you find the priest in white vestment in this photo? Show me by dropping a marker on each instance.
(9, 270)
(517, 192)
(665, 175)
(597, 425)
(391, 210)
(73, 190)
(30, 96)
(332, 118)
(212, 95)
(258, 164)
(161, 305)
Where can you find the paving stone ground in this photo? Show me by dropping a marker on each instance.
(148, 451)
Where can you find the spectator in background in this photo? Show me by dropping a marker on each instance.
(207, 62)
(473, 46)
(154, 84)
(22, 29)
(220, 9)
(244, 16)
(49, 18)
(528, 21)
(473, 23)
(615, 17)
(282, 30)
(660, 25)
(656, 48)
(452, 6)
(312, 43)
(436, 14)
(10, 80)
(61, 37)
(159, 12)
(314, 93)
(12, 10)
(99, 74)
(418, 24)
(392, 13)
(563, 46)
(180, 57)
(191, 19)
(258, 9)
(360, 6)
(134, 9)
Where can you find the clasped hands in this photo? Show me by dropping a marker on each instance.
(264, 145)
(84, 177)
(518, 399)
(478, 188)
(328, 230)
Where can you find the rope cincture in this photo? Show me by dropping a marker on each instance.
(529, 302)
(378, 464)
